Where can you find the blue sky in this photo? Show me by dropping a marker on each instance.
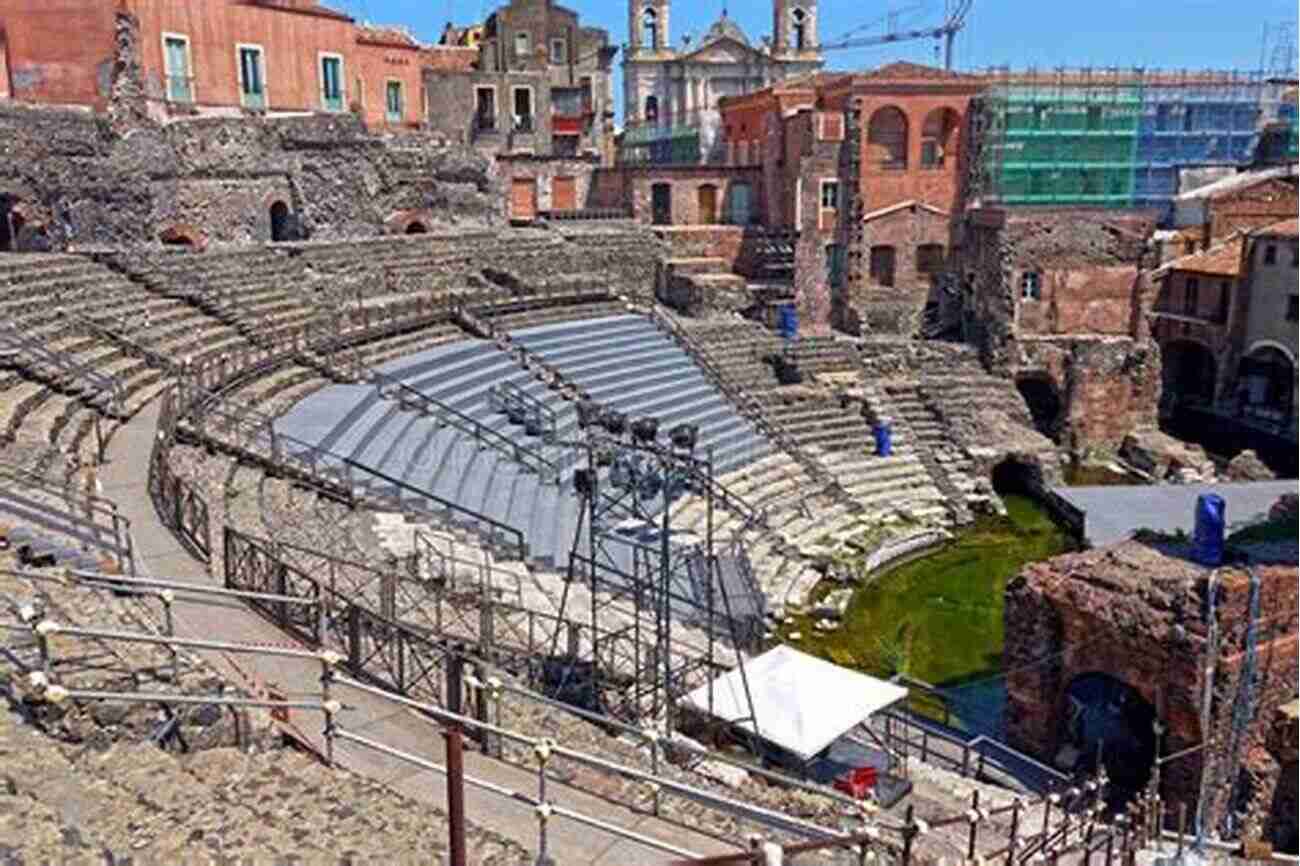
(1151, 33)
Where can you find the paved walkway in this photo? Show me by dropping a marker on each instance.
(1114, 513)
(161, 555)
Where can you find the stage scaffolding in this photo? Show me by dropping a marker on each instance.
(626, 550)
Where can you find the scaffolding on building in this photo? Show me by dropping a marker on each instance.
(1119, 138)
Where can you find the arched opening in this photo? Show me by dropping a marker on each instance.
(1266, 384)
(177, 240)
(8, 230)
(1044, 404)
(652, 109)
(1107, 719)
(1188, 372)
(800, 29)
(1015, 476)
(939, 138)
(887, 138)
(708, 203)
(661, 204)
(415, 227)
(650, 29)
(281, 222)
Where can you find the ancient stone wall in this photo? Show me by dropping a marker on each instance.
(1085, 330)
(1107, 387)
(1139, 612)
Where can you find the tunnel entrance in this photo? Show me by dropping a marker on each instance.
(1109, 721)
(8, 231)
(1044, 404)
(1015, 476)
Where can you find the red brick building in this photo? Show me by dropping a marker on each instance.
(221, 57)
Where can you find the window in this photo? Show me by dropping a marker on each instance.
(1191, 291)
(1295, 256)
(830, 194)
(1094, 117)
(887, 138)
(394, 102)
(522, 44)
(485, 108)
(882, 265)
(1270, 254)
(252, 78)
(331, 82)
(929, 259)
(559, 51)
(800, 29)
(1292, 308)
(523, 97)
(1225, 300)
(650, 27)
(1031, 286)
(177, 69)
(652, 109)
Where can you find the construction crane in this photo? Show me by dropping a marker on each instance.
(947, 31)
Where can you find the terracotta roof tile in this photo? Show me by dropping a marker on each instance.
(1284, 229)
(1223, 260)
(904, 70)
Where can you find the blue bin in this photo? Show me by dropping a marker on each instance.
(787, 321)
(1207, 537)
(884, 433)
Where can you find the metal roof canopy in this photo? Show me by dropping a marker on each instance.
(802, 703)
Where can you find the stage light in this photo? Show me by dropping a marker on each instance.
(584, 481)
(588, 413)
(684, 436)
(644, 430)
(614, 422)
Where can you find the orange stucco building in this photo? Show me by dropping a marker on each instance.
(221, 56)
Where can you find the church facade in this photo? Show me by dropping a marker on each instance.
(671, 91)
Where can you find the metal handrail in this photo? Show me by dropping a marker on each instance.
(547, 420)
(62, 362)
(464, 423)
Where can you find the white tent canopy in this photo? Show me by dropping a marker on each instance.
(801, 703)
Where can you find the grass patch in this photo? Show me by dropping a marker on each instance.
(939, 618)
(1277, 530)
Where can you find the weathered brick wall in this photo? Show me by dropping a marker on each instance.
(1139, 614)
(685, 183)
(1254, 207)
(1087, 333)
(543, 171)
(1108, 387)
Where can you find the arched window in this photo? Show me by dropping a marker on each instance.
(939, 138)
(417, 228)
(652, 109)
(281, 222)
(650, 26)
(800, 19)
(887, 138)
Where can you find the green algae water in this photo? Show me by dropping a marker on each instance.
(938, 618)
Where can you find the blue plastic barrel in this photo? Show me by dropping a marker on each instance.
(1207, 537)
(787, 321)
(884, 433)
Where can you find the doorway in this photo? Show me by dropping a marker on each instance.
(564, 194)
(739, 204)
(8, 231)
(523, 198)
(661, 204)
(281, 222)
(708, 201)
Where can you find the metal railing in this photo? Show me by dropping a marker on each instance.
(94, 508)
(523, 408)
(482, 434)
(33, 355)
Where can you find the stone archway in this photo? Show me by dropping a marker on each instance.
(281, 222)
(1104, 718)
(415, 227)
(1014, 475)
(1044, 402)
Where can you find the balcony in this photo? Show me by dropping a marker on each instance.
(566, 124)
(524, 124)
